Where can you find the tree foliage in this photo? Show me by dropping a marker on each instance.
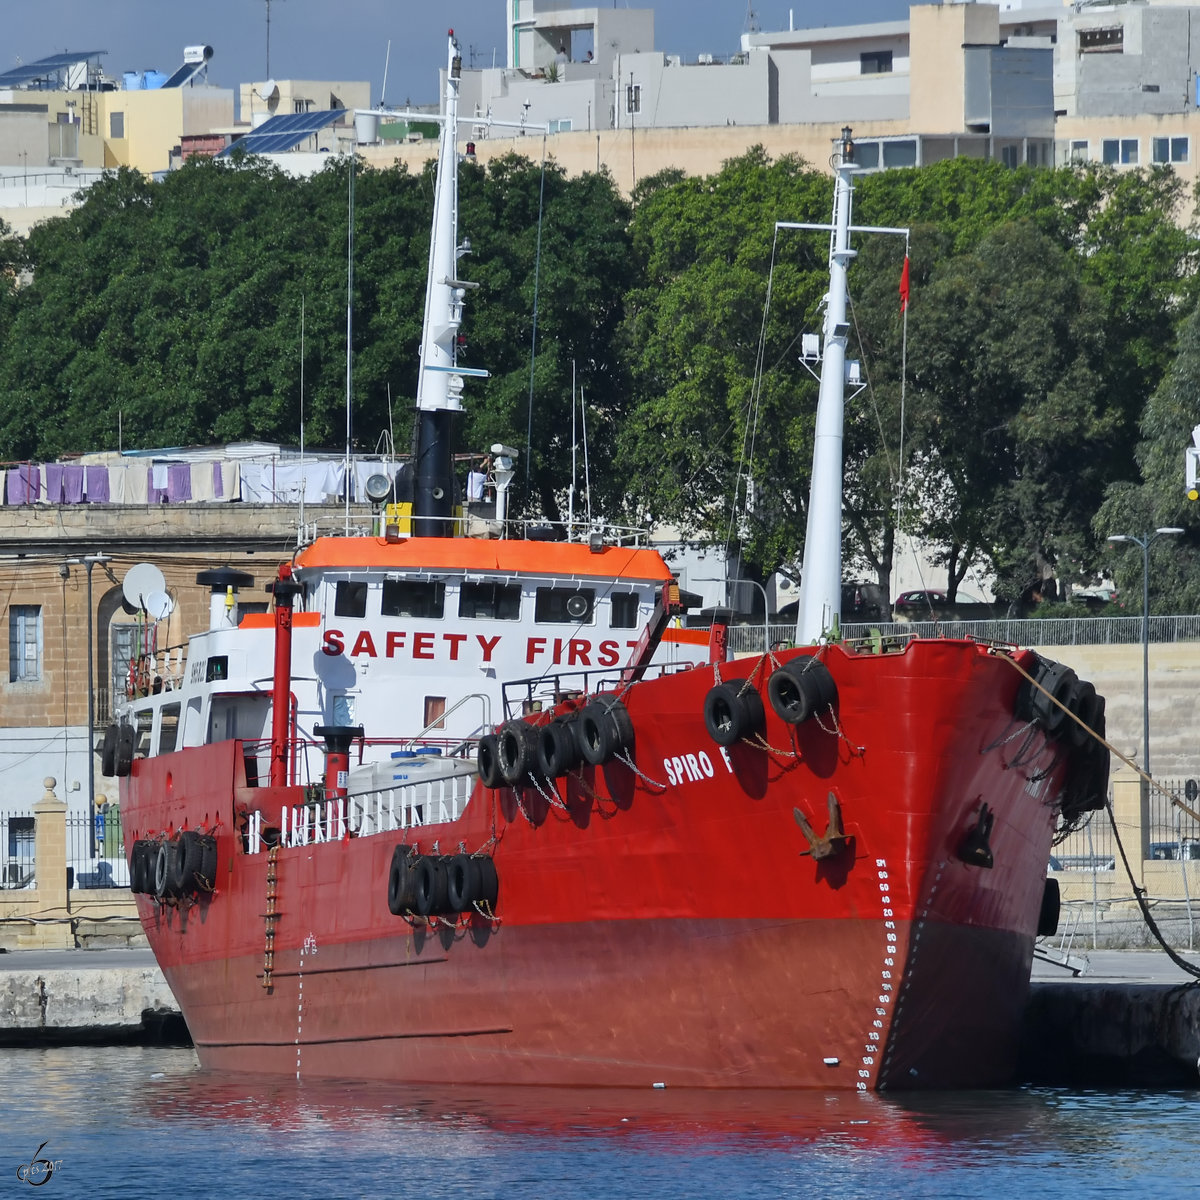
(1040, 342)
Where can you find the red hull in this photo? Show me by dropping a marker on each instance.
(657, 925)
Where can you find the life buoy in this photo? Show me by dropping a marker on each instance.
(733, 711)
(430, 886)
(557, 749)
(402, 892)
(517, 749)
(604, 729)
(108, 751)
(487, 759)
(801, 688)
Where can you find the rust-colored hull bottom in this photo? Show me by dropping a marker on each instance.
(723, 1003)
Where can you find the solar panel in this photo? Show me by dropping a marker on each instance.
(286, 132)
(184, 73)
(46, 66)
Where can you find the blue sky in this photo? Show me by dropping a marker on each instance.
(348, 39)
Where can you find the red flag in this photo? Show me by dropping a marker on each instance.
(904, 286)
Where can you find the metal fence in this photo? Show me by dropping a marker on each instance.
(16, 849)
(96, 850)
(1076, 631)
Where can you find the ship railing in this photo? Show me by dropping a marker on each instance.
(524, 697)
(476, 522)
(406, 806)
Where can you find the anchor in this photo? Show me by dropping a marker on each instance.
(834, 838)
(974, 848)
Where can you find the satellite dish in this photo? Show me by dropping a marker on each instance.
(378, 487)
(269, 91)
(141, 580)
(159, 605)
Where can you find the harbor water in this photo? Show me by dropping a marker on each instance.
(119, 1122)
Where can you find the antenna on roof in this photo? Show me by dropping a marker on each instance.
(268, 4)
(383, 91)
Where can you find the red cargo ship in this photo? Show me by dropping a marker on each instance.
(818, 867)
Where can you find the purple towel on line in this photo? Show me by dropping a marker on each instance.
(24, 484)
(72, 484)
(179, 482)
(54, 483)
(218, 482)
(97, 485)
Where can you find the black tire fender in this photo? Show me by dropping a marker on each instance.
(402, 882)
(517, 745)
(487, 759)
(108, 752)
(604, 728)
(733, 711)
(557, 749)
(800, 689)
(430, 885)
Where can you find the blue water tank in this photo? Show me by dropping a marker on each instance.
(133, 81)
(154, 79)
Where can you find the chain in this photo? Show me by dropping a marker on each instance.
(624, 757)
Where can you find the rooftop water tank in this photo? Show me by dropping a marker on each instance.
(133, 81)
(154, 79)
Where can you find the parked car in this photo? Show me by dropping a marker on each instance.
(1170, 850)
(913, 604)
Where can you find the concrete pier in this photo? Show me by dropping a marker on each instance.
(69, 997)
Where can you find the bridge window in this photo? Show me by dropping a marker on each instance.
(351, 598)
(625, 610)
(494, 601)
(565, 606)
(413, 598)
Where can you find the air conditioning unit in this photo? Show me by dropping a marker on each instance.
(706, 59)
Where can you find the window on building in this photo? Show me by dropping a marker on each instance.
(875, 62)
(866, 154)
(1169, 149)
(116, 125)
(1104, 41)
(1010, 156)
(495, 601)
(900, 154)
(565, 606)
(1079, 150)
(562, 125)
(351, 598)
(1120, 150)
(24, 643)
(413, 598)
(625, 610)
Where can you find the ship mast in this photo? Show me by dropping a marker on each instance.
(819, 612)
(440, 378)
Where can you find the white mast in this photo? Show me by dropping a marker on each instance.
(820, 607)
(439, 386)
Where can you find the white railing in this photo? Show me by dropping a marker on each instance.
(389, 810)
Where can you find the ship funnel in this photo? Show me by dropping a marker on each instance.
(222, 606)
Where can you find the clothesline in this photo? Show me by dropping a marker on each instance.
(251, 481)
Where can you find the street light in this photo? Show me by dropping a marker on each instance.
(766, 603)
(1145, 541)
(89, 561)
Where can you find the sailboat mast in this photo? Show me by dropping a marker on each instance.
(439, 386)
(820, 606)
